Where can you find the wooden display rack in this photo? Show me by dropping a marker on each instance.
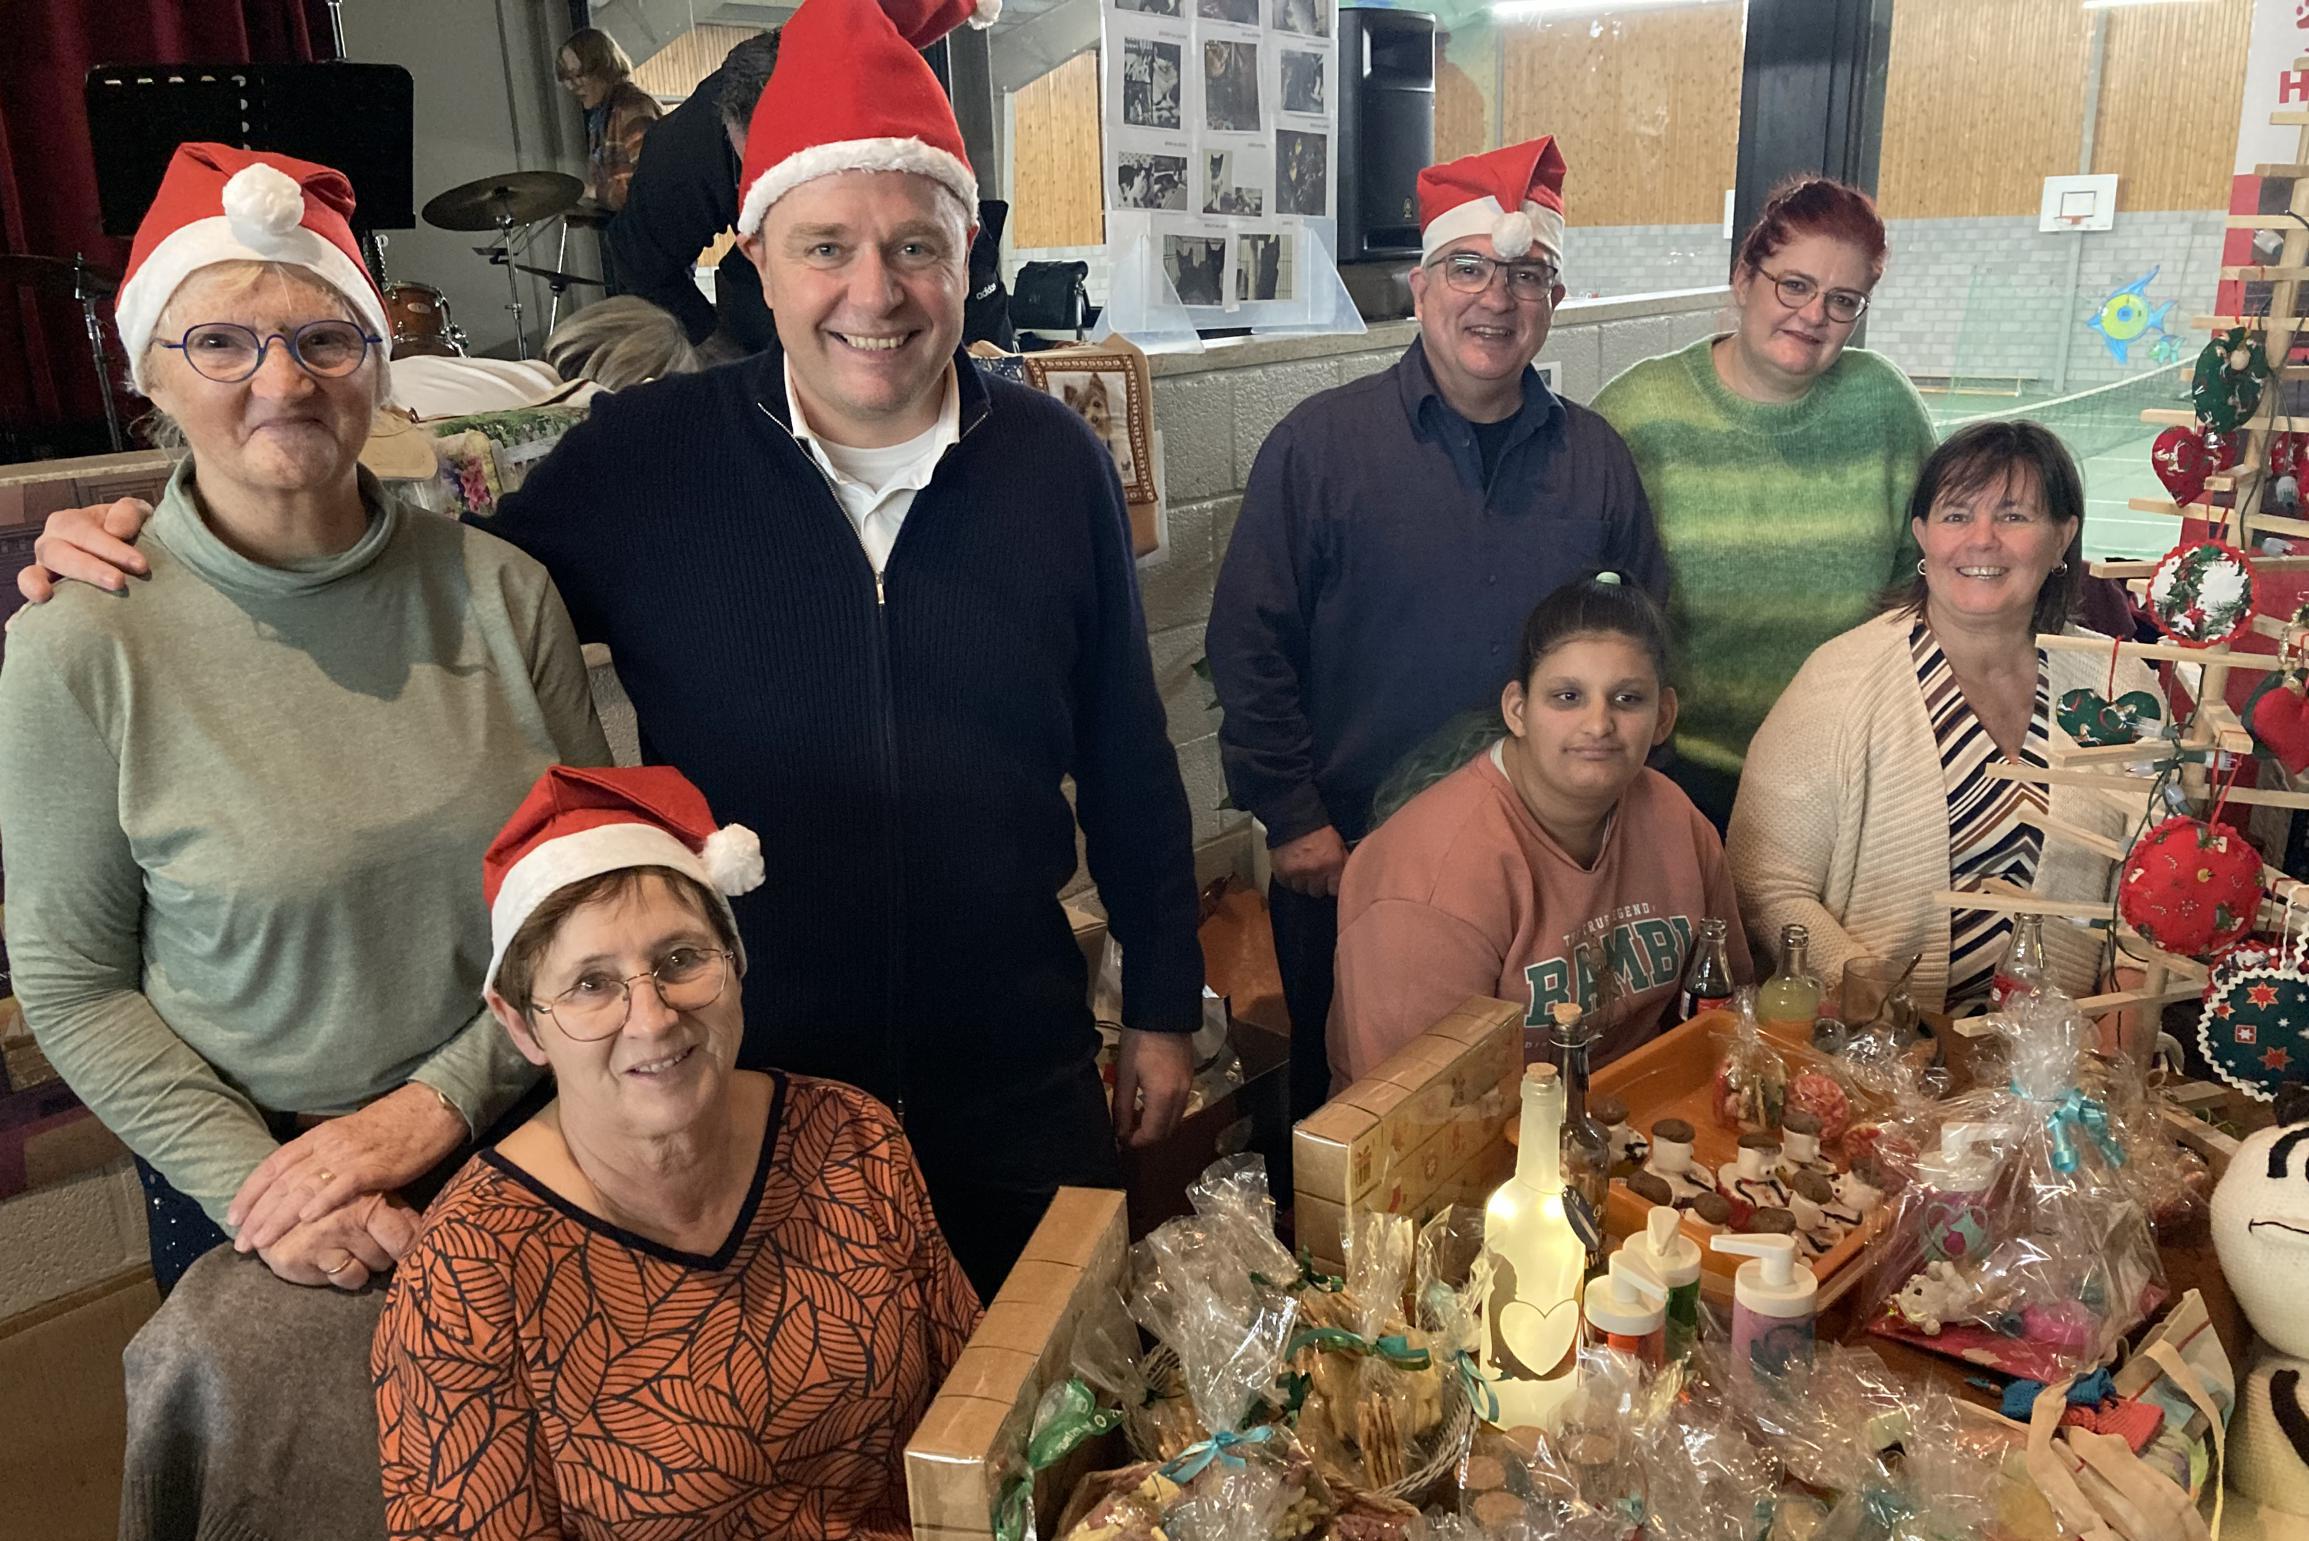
(2125, 774)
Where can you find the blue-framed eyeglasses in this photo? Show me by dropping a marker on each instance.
(229, 353)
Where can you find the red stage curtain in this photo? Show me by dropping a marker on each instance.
(47, 171)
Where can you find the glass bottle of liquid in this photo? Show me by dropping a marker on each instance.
(2023, 967)
(1586, 1148)
(1531, 1319)
(1708, 982)
(1791, 997)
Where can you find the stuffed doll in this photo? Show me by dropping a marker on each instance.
(2261, 1231)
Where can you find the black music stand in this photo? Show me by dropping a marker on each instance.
(359, 118)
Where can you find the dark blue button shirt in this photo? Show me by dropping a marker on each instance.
(1378, 581)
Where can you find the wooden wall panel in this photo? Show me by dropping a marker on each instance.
(2171, 93)
(1056, 183)
(674, 70)
(1986, 99)
(1464, 66)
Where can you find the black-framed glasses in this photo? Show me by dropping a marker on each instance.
(228, 353)
(1796, 292)
(687, 979)
(1470, 273)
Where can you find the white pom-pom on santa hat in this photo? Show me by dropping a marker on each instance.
(262, 205)
(988, 12)
(733, 859)
(1512, 235)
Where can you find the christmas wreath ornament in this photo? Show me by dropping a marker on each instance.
(2226, 385)
(2201, 594)
(2190, 887)
(2254, 1029)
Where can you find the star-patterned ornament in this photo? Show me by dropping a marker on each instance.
(2252, 1027)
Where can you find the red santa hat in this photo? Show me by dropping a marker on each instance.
(1514, 195)
(221, 204)
(852, 92)
(577, 823)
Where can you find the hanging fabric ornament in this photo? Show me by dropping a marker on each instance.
(2201, 594)
(2191, 887)
(2277, 715)
(2226, 385)
(2254, 1029)
(2093, 720)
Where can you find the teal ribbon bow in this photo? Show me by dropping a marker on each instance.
(1190, 1462)
(1077, 1417)
(2073, 1112)
(1394, 1347)
(1479, 1390)
(1308, 1279)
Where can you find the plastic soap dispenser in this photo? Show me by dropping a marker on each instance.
(1627, 1307)
(1774, 1299)
(1956, 1179)
(1674, 1259)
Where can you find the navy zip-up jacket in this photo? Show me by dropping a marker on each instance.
(901, 754)
(1377, 582)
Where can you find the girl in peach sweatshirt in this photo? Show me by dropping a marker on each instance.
(1489, 881)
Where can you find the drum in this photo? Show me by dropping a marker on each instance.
(419, 314)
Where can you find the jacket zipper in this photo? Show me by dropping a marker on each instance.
(894, 938)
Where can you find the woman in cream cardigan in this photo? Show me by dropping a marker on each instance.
(1865, 790)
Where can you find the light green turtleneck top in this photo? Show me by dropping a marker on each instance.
(242, 811)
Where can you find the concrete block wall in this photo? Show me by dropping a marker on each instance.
(1613, 260)
(1992, 297)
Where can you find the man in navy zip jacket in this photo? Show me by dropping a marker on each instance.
(879, 607)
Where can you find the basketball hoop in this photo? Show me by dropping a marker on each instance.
(2072, 221)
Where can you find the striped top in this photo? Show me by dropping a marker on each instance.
(1995, 828)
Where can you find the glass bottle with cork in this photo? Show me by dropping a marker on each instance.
(1587, 1155)
(1790, 999)
(1531, 1321)
(2023, 967)
(1707, 982)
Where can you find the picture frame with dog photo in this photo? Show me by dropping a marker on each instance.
(1110, 390)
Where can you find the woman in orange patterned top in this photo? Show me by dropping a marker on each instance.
(683, 1300)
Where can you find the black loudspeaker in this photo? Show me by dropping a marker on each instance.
(1386, 128)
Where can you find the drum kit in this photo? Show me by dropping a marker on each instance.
(510, 205)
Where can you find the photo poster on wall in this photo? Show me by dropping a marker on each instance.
(1221, 131)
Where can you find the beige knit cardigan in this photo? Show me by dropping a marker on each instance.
(1841, 824)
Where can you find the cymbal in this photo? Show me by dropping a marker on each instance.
(516, 198)
(58, 273)
(550, 276)
(589, 215)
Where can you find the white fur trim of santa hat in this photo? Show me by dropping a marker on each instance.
(261, 223)
(825, 160)
(730, 864)
(1513, 235)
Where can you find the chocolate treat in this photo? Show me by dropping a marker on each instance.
(1495, 1512)
(1674, 1130)
(1800, 1121)
(1483, 1474)
(1771, 1221)
(1814, 1186)
(1762, 1141)
(1651, 1188)
(1607, 1110)
(1713, 1209)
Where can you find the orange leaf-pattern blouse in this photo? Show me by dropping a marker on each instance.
(541, 1372)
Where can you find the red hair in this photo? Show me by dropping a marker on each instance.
(1823, 206)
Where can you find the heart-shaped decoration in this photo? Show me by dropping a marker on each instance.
(2182, 463)
(2278, 719)
(1540, 1340)
(2093, 720)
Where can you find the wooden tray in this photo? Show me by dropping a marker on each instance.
(1673, 1076)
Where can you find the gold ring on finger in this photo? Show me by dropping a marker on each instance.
(349, 1261)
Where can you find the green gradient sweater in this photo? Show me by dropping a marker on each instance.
(1782, 524)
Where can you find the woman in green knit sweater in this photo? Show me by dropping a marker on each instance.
(1779, 464)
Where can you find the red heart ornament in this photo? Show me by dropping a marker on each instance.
(2182, 463)
(2280, 721)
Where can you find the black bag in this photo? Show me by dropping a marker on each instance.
(1052, 297)
(986, 313)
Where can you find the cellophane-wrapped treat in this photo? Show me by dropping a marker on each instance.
(1372, 1400)
(2021, 1242)
(1751, 1083)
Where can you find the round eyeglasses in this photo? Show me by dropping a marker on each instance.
(1796, 292)
(687, 979)
(229, 353)
(1470, 273)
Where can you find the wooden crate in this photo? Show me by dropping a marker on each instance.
(981, 1415)
(1424, 1130)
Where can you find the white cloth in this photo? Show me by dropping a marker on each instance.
(876, 487)
(433, 386)
(1842, 818)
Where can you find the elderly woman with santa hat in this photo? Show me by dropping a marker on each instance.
(241, 813)
(681, 1295)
